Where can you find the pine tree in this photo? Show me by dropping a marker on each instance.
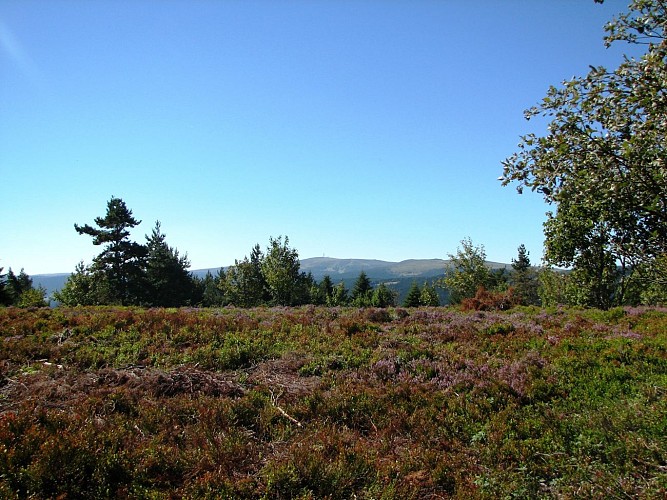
(211, 292)
(168, 280)
(320, 292)
(326, 287)
(522, 262)
(362, 291)
(20, 291)
(413, 298)
(523, 278)
(122, 261)
(5, 299)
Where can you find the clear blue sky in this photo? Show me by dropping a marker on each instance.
(360, 129)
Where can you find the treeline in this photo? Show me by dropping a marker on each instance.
(273, 277)
(18, 290)
(472, 284)
(154, 274)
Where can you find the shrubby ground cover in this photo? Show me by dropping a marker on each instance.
(333, 403)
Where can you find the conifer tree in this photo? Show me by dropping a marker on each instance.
(168, 280)
(122, 261)
(21, 291)
(413, 298)
(5, 299)
(524, 278)
(362, 291)
(326, 287)
(212, 289)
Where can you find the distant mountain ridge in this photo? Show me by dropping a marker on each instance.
(338, 270)
(375, 269)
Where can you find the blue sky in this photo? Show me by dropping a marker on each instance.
(360, 129)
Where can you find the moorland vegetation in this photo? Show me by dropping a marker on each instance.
(317, 402)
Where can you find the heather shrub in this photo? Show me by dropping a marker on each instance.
(286, 403)
(328, 464)
(485, 300)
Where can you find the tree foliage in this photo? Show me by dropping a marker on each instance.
(122, 261)
(467, 272)
(286, 285)
(339, 297)
(321, 293)
(244, 284)
(210, 289)
(383, 296)
(523, 278)
(429, 296)
(603, 162)
(126, 272)
(413, 297)
(5, 299)
(169, 282)
(19, 290)
(156, 274)
(84, 287)
(362, 291)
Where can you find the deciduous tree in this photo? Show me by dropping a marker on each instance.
(429, 296)
(603, 162)
(467, 272)
(84, 287)
(281, 270)
(383, 296)
(339, 297)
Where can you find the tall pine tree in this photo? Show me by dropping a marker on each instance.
(122, 261)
